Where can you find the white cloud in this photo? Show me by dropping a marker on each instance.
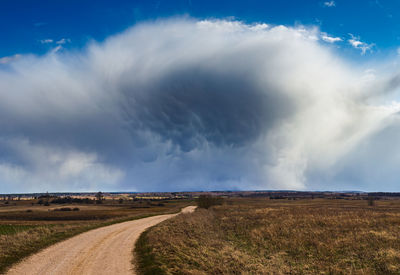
(63, 41)
(330, 39)
(56, 168)
(56, 49)
(189, 105)
(46, 41)
(329, 4)
(9, 59)
(312, 34)
(259, 27)
(357, 44)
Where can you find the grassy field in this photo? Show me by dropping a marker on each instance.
(261, 236)
(26, 227)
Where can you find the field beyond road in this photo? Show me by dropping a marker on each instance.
(262, 236)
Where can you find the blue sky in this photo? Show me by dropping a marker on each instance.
(199, 95)
(24, 24)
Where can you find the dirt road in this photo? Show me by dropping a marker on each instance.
(106, 250)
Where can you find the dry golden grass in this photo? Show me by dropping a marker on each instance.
(278, 237)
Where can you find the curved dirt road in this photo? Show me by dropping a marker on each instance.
(106, 250)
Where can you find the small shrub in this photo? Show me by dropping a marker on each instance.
(371, 201)
(206, 201)
(76, 209)
(99, 197)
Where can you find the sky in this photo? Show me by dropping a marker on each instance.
(199, 95)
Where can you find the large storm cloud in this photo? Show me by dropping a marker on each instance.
(195, 105)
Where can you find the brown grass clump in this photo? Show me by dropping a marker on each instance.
(280, 237)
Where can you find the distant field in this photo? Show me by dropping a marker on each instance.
(261, 236)
(26, 227)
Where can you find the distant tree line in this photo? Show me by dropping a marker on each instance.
(63, 200)
(384, 194)
(67, 209)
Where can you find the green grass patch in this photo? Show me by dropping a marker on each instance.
(10, 229)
